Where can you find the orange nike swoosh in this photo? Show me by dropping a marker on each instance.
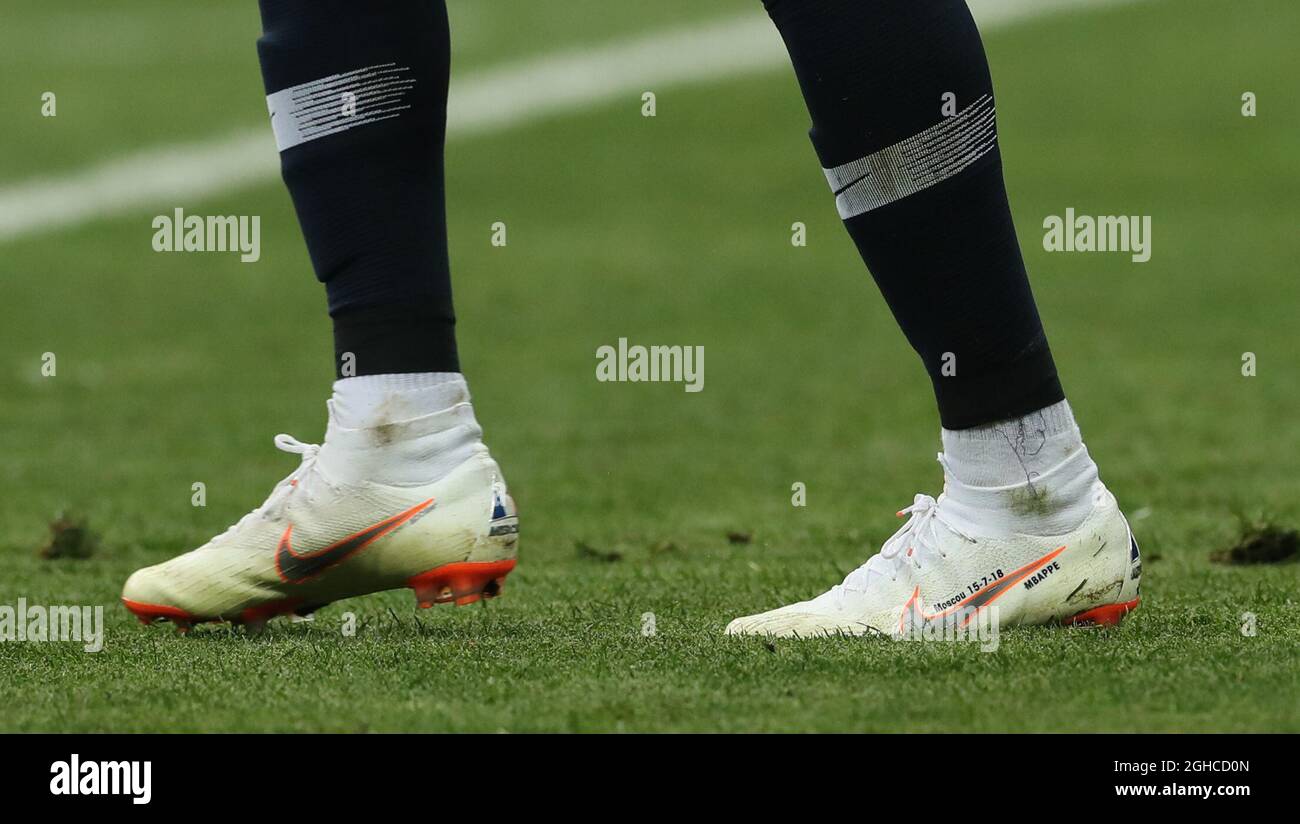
(980, 599)
(299, 568)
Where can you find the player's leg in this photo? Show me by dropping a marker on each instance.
(903, 122)
(402, 492)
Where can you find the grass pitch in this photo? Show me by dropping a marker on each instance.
(174, 369)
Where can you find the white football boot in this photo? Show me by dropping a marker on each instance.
(327, 533)
(951, 560)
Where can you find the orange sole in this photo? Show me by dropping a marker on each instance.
(1106, 616)
(460, 583)
(149, 613)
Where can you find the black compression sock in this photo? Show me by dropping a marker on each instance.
(903, 122)
(358, 96)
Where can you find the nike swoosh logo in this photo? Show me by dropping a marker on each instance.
(301, 567)
(970, 606)
(851, 184)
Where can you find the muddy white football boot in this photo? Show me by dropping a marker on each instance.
(953, 559)
(328, 531)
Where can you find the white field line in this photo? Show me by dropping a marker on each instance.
(492, 100)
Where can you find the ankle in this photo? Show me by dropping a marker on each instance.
(417, 450)
(1016, 451)
(1029, 475)
(370, 401)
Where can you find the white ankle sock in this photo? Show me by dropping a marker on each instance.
(400, 429)
(375, 400)
(1031, 474)
(1012, 452)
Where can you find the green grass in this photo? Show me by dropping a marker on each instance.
(179, 368)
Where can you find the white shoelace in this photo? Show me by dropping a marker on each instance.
(919, 535)
(285, 443)
(290, 444)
